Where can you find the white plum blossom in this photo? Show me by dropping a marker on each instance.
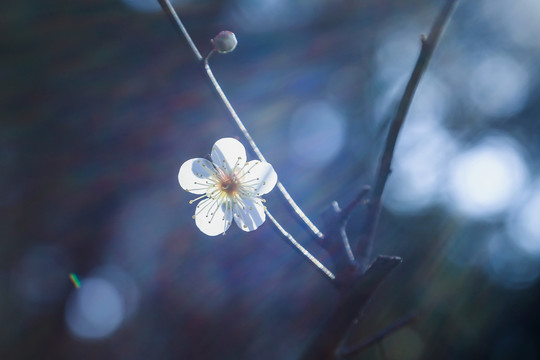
(230, 188)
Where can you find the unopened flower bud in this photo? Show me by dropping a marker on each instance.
(224, 42)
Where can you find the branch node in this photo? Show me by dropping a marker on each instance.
(359, 199)
(207, 57)
(336, 242)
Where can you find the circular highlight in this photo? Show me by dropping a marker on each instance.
(317, 134)
(488, 178)
(95, 310)
(523, 226)
(499, 85)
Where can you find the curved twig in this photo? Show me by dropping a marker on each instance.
(365, 242)
(255, 148)
(169, 10)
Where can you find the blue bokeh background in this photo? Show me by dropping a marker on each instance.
(102, 101)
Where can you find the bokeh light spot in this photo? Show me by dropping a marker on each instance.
(421, 157)
(499, 85)
(430, 104)
(488, 178)
(518, 19)
(523, 225)
(317, 134)
(95, 310)
(124, 284)
(270, 15)
(400, 37)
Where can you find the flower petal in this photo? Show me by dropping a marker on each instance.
(193, 175)
(228, 153)
(260, 176)
(212, 217)
(250, 215)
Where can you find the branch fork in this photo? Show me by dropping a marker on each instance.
(336, 241)
(355, 277)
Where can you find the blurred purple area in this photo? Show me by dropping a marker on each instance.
(101, 102)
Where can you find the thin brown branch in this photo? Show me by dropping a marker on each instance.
(365, 242)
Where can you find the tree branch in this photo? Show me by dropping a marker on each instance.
(365, 242)
(356, 288)
(355, 279)
(351, 304)
(336, 241)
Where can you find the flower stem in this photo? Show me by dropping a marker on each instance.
(255, 148)
(169, 10)
(296, 245)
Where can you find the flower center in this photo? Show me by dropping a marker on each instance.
(228, 185)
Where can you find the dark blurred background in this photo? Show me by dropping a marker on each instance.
(102, 101)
